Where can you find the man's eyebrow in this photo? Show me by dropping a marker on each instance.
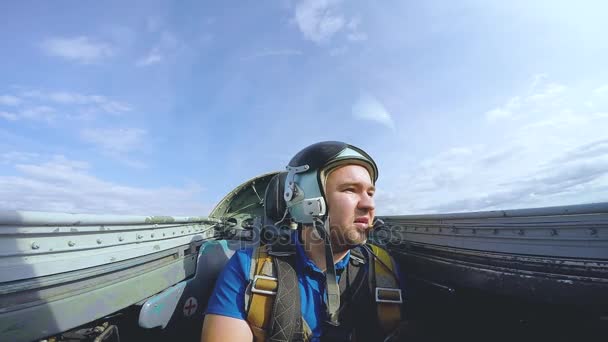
(357, 184)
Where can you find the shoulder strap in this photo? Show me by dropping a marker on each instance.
(272, 299)
(385, 289)
(260, 293)
(352, 279)
(286, 322)
(274, 277)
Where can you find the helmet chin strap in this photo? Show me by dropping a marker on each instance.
(331, 284)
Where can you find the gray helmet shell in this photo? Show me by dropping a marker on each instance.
(304, 190)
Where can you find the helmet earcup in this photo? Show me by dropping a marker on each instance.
(274, 204)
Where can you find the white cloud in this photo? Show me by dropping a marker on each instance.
(560, 120)
(152, 58)
(80, 49)
(40, 113)
(129, 161)
(168, 41)
(338, 51)
(9, 100)
(99, 102)
(585, 152)
(549, 91)
(537, 79)
(369, 108)
(353, 24)
(354, 34)
(459, 151)
(553, 152)
(273, 53)
(47, 106)
(498, 114)
(14, 157)
(318, 20)
(34, 113)
(67, 98)
(115, 141)
(9, 116)
(602, 90)
(541, 95)
(119, 144)
(167, 44)
(505, 112)
(122, 37)
(321, 20)
(511, 178)
(600, 115)
(61, 184)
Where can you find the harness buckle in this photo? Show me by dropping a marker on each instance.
(388, 295)
(254, 289)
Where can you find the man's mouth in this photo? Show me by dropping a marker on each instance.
(362, 221)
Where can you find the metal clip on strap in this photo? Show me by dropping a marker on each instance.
(264, 285)
(388, 295)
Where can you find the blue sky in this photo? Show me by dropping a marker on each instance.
(152, 107)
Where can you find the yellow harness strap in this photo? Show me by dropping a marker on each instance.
(386, 291)
(263, 287)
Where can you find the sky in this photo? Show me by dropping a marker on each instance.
(162, 108)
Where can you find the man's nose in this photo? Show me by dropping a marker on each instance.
(367, 202)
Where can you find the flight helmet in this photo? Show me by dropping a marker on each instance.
(304, 189)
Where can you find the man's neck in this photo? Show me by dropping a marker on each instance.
(314, 247)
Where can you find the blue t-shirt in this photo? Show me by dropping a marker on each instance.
(228, 298)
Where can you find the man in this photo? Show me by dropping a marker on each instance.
(329, 188)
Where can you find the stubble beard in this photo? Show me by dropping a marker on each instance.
(344, 239)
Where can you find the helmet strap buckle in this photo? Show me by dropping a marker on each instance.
(290, 185)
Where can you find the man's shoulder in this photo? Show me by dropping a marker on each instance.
(243, 256)
(245, 251)
(366, 251)
(229, 292)
(237, 267)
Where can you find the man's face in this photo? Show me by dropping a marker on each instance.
(350, 192)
